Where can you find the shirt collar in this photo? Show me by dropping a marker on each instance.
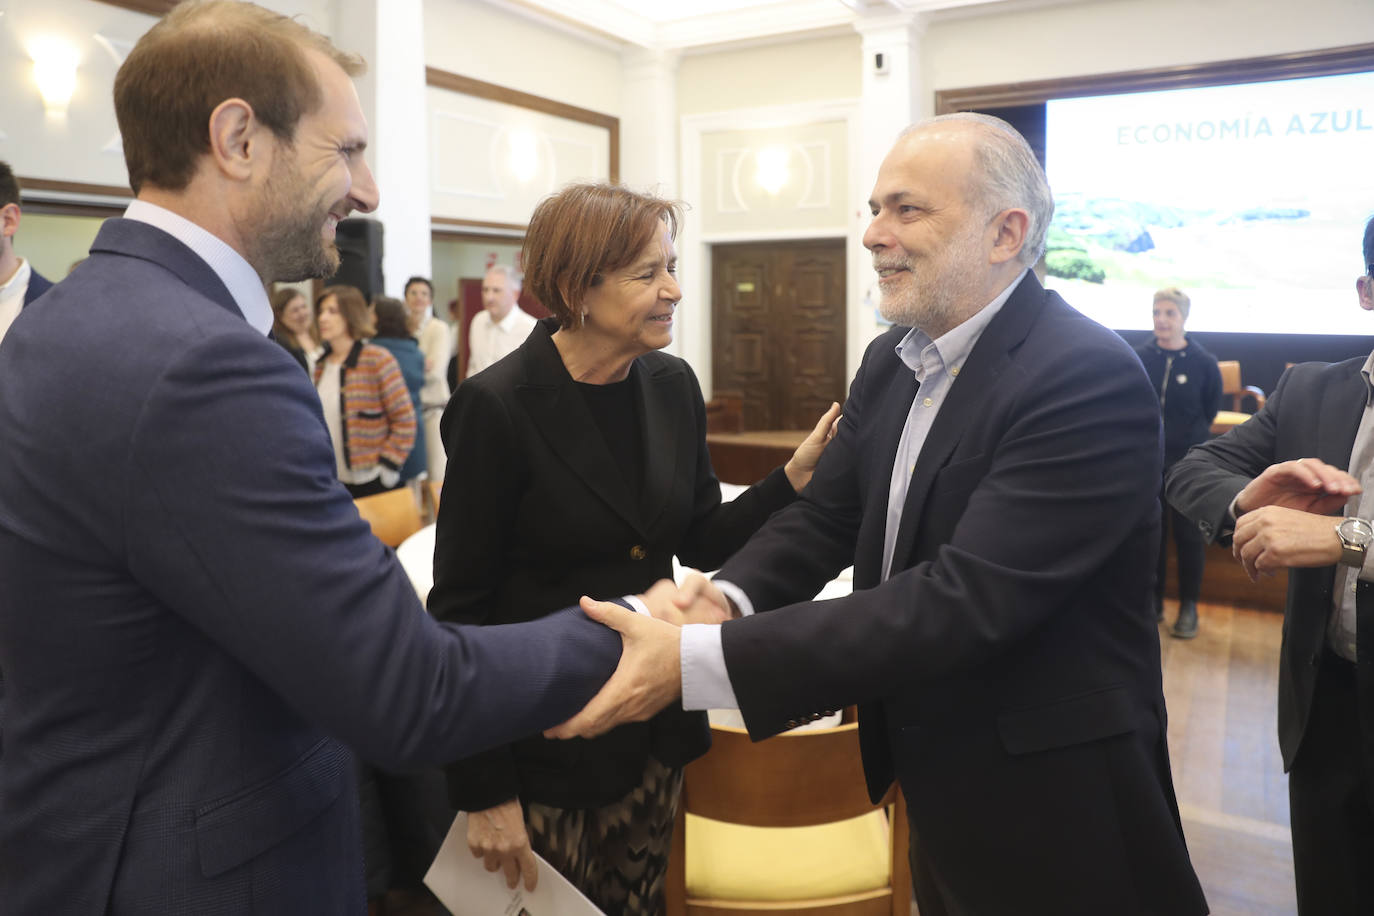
(238, 276)
(954, 346)
(1367, 370)
(20, 280)
(508, 323)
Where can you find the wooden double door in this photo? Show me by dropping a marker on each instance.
(778, 329)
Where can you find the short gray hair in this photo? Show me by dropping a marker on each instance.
(1009, 176)
(514, 277)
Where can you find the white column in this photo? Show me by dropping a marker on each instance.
(894, 95)
(648, 129)
(391, 37)
(649, 162)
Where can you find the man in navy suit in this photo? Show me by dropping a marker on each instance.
(194, 619)
(994, 481)
(20, 284)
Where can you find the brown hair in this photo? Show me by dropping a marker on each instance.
(393, 318)
(353, 308)
(280, 299)
(584, 232)
(196, 57)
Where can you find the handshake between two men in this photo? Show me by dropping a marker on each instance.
(649, 676)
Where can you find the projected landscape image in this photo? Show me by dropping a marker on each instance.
(1241, 195)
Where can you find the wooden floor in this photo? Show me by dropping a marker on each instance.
(1222, 693)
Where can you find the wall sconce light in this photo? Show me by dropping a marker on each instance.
(771, 168)
(522, 154)
(54, 69)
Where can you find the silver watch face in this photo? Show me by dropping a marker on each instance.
(1356, 532)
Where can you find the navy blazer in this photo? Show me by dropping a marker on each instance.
(1314, 412)
(1007, 672)
(536, 512)
(196, 620)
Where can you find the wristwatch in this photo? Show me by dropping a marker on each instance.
(1356, 535)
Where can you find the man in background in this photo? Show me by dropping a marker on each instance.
(995, 483)
(195, 620)
(1277, 488)
(436, 347)
(502, 325)
(20, 284)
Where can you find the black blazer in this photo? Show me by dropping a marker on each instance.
(1314, 412)
(1007, 672)
(535, 511)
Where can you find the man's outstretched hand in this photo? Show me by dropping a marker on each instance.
(1308, 485)
(648, 678)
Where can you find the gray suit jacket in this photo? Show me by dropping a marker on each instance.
(195, 621)
(1313, 413)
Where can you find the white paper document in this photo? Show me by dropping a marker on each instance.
(463, 884)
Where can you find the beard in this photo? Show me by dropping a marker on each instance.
(939, 291)
(290, 245)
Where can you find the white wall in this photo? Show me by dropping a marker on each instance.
(778, 74)
(474, 39)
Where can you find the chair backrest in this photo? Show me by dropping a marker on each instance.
(1232, 388)
(394, 515)
(797, 779)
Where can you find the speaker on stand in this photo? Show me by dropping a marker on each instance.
(360, 256)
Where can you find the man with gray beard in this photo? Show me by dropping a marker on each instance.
(994, 482)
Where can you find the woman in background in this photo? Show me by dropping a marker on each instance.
(366, 405)
(294, 328)
(578, 465)
(1188, 382)
(394, 334)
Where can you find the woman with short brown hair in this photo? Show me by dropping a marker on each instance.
(578, 465)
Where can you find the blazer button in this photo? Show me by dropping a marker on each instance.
(792, 723)
(637, 552)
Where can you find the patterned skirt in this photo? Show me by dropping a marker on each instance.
(618, 854)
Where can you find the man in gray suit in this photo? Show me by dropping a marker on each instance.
(194, 616)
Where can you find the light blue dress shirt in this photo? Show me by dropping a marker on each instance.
(936, 365)
(237, 275)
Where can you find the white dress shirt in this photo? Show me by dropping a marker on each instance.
(936, 365)
(490, 340)
(12, 295)
(237, 275)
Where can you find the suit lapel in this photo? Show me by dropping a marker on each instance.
(1342, 407)
(665, 432)
(133, 239)
(977, 379)
(887, 425)
(551, 398)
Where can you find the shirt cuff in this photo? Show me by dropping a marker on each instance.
(705, 682)
(736, 596)
(639, 607)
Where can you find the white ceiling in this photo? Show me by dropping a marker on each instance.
(687, 24)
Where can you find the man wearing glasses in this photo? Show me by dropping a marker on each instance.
(1275, 487)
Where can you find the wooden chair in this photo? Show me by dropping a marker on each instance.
(786, 826)
(394, 515)
(1232, 388)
